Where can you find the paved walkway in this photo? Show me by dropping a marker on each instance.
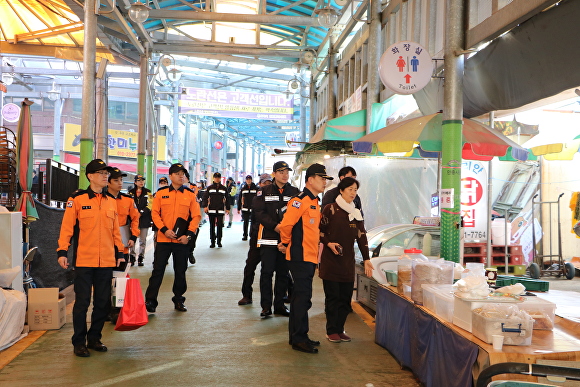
(215, 343)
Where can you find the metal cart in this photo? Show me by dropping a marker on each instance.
(484, 379)
(536, 269)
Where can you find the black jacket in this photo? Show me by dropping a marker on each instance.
(269, 208)
(216, 199)
(247, 194)
(143, 204)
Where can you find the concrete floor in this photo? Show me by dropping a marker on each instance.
(215, 343)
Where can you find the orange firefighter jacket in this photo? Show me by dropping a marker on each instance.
(92, 219)
(299, 230)
(127, 212)
(169, 204)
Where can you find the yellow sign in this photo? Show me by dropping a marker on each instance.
(121, 142)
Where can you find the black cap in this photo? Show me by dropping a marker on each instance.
(116, 173)
(280, 166)
(96, 165)
(317, 170)
(217, 174)
(249, 177)
(139, 177)
(174, 168)
(163, 179)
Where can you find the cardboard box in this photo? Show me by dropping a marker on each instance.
(46, 310)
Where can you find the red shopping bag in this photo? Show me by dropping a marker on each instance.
(133, 314)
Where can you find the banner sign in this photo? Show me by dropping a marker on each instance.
(235, 104)
(474, 200)
(121, 143)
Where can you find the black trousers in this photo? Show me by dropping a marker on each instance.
(216, 221)
(250, 270)
(192, 243)
(273, 261)
(160, 258)
(246, 215)
(301, 300)
(98, 279)
(337, 298)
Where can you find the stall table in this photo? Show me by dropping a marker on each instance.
(441, 354)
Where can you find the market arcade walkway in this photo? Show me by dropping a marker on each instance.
(216, 343)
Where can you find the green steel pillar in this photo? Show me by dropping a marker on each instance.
(142, 117)
(149, 183)
(452, 127)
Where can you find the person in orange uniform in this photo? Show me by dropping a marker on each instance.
(126, 209)
(300, 235)
(169, 205)
(91, 217)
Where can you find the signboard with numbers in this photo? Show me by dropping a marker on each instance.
(474, 200)
(405, 67)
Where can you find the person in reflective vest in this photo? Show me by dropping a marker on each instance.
(216, 204)
(247, 194)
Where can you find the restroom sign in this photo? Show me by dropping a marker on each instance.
(405, 67)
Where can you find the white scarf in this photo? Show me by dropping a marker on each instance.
(353, 212)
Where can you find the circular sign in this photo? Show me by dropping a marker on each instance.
(218, 145)
(11, 112)
(471, 191)
(405, 67)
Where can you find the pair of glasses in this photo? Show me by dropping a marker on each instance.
(103, 172)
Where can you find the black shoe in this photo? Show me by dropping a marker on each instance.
(286, 300)
(266, 313)
(191, 258)
(282, 311)
(220, 244)
(150, 307)
(97, 346)
(245, 238)
(180, 307)
(212, 245)
(304, 347)
(81, 350)
(245, 301)
(140, 260)
(229, 225)
(132, 260)
(314, 343)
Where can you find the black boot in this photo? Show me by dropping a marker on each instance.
(230, 225)
(212, 245)
(140, 260)
(219, 243)
(132, 259)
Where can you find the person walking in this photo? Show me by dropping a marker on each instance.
(193, 241)
(90, 217)
(269, 208)
(253, 253)
(232, 190)
(247, 193)
(300, 236)
(341, 225)
(200, 194)
(216, 204)
(143, 199)
(172, 207)
(330, 195)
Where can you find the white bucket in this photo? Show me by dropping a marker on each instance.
(498, 231)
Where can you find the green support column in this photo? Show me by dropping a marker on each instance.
(149, 182)
(451, 179)
(86, 157)
(141, 164)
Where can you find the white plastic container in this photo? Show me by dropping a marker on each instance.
(462, 310)
(498, 232)
(515, 330)
(432, 271)
(404, 266)
(439, 299)
(542, 311)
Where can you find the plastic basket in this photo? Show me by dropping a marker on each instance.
(391, 277)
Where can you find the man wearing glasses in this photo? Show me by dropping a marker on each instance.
(91, 217)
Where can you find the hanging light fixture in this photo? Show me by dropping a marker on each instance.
(174, 75)
(327, 16)
(7, 79)
(139, 12)
(53, 94)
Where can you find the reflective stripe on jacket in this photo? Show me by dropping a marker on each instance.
(269, 207)
(92, 219)
(300, 228)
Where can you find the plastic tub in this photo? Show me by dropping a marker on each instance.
(498, 231)
(515, 330)
(439, 300)
(391, 277)
(542, 311)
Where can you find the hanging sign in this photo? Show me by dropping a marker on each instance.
(446, 199)
(11, 112)
(292, 138)
(405, 67)
(474, 200)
